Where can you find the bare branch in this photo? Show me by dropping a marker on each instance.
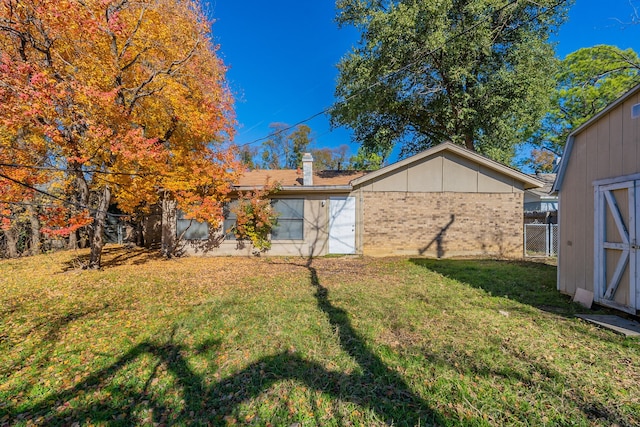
(172, 69)
(131, 36)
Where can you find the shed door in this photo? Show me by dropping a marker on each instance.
(342, 225)
(616, 246)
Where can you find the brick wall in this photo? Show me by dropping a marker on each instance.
(443, 224)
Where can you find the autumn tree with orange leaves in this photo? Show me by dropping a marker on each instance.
(111, 102)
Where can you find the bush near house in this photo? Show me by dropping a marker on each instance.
(328, 341)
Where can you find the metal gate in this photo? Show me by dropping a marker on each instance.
(540, 240)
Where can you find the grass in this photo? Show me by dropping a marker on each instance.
(276, 341)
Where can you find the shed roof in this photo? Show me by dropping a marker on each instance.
(568, 147)
(528, 181)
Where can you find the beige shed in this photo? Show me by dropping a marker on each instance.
(599, 206)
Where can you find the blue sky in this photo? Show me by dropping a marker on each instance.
(282, 56)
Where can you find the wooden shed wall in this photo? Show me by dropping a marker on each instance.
(607, 148)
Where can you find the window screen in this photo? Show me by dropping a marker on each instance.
(229, 220)
(290, 219)
(195, 230)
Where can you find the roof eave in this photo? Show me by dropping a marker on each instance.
(528, 181)
(568, 147)
(303, 189)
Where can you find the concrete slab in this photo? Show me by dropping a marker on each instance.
(626, 327)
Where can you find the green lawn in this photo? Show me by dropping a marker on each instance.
(274, 341)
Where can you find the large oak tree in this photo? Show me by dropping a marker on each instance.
(475, 72)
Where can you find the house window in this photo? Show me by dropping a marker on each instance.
(229, 222)
(290, 219)
(192, 229)
(635, 111)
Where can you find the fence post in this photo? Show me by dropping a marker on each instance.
(547, 238)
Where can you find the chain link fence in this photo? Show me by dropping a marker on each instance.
(540, 240)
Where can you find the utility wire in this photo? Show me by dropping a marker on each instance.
(52, 168)
(420, 55)
(53, 196)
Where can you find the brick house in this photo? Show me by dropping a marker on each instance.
(446, 201)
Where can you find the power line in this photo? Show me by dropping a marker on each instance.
(53, 196)
(52, 168)
(45, 205)
(419, 55)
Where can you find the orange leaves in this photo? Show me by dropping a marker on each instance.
(118, 95)
(58, 222)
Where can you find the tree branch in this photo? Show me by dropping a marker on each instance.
(139, 92)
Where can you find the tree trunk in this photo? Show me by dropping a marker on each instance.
(35, 230)
(81, 198)
(468, 142)
(97, 241)
(73, 240)
(168, 230)
(12, 242)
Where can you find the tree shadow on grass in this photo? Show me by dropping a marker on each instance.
(530, 283)
(375, 386)
(536, 374)
(49, 328)
(533, 284)
(115, 256)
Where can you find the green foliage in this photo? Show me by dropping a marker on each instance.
(475, 72)
(285, 147)
(299, 140)
(246, 156)
(589, 79)
(255, 217)
(366, 160)
(271, 156)
(331, 158)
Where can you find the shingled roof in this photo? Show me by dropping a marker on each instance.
(293, 178)
(548, 179)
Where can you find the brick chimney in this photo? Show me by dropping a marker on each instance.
(307, 169)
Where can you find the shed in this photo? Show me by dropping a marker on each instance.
(446, 201)
(599, 206)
